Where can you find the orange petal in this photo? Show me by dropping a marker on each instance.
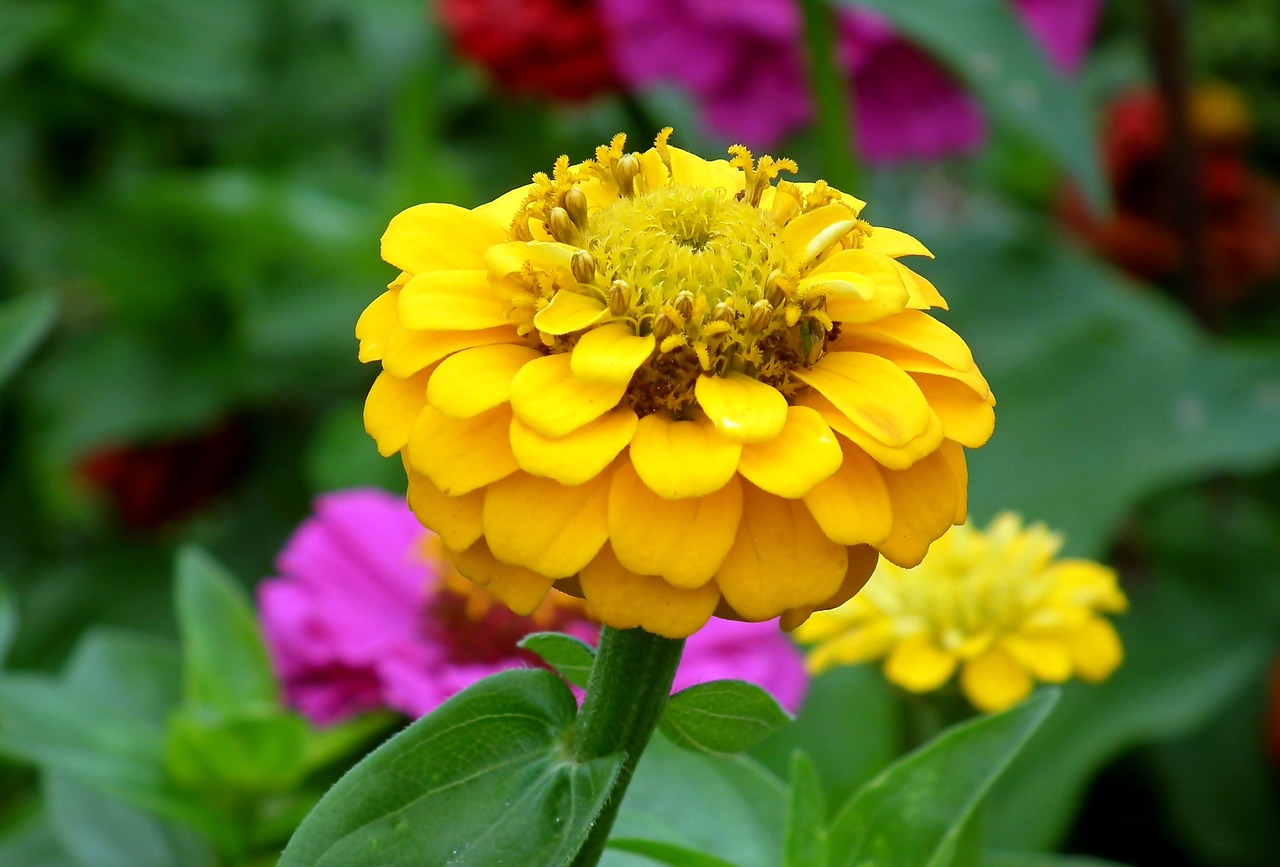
(924, 505)
(521, 590)
(545, 526)
(852, 506)
(461, 455)
(625, 600)
(456, 520)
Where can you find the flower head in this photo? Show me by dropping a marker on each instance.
(365, 614)
(993, 603)
(672, 386)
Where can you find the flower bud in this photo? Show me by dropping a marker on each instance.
(624, 173)
(562, 227)
(683, 303)
(575, 204)
(760, 317)
(583, 266)
(619, 297)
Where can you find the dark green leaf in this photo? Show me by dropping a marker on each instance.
(254, 752)
(24, 321)
(985, 44)
(722, 717)
(569, 656)
(226, 666)
(806, 840)
(668, 853)
(8, 622)
(24, 25)
(914, 813)
(485, 779)
(1003, 859)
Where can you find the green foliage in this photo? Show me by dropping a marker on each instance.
(570, 657)
(24, 322)
(806, 840)
(8, 622)
(485, 779)
(721, 717)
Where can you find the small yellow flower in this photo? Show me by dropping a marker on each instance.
(995, 604)
(672, 386)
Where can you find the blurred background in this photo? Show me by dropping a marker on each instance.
(191, 196)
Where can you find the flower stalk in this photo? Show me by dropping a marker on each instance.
(834, 115)
(626, 694)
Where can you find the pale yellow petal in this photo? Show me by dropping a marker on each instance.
(547, 397)
(742, 408)
(679, 459)
(924, 504)
(575, 457)
(408, 351)
(610, 353)
(1046, 657)
(456, 520)
(876, 395)
(919, 665)
(391, 409)
(451, 301)
(966, 416)
(503, 209)
(624, 600)
(439, 237)
(461, 455)
(545, 526)
(681, 541)
(690, 170)
(1095, 649)
(803, 453)
(995, 681)
(522, 590)
(854, 647)
(852, 506)
(376, 323)
(569, 312)
(809, 235)
(780, 559)
(474, 380)
(891, 242)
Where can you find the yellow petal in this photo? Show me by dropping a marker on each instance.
(545, 526)
(913, 361)
(1047, 658)
(610, 353)
(780, 559)
(461, 455)
(891, 242)
(547, 397)
(578, 456)
(408, 351)
(391, 409)
(924, 504)
(456, 520)
(690, 170)
(376, 323)
(862, 564)
(433, 237)
(679, 459)
(503, 209)
(894, 457)
(742, 408)
(451, 301)
(852, 506)
(803, 454)
(569, 312)
(474, 380)
(810, 235)
(521, 590)
(860, 286)
(995, 681)
(873, 393)
(914, 329)
(918, 665)
(681, 541)
(504, 259)
(953, 453)
(857, 646)
(854, 204)
(625, 600)
(922, 293)
(966, 416)
(1095, 649)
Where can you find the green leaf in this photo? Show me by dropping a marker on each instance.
(667, 853)
(571, 657)
(24, 25)
(722, 717)
(338, 741)
(8, 622)
(32, 844)
(914, 813)
(24, 322)
(1005, 859)
(249, 752)
(485, 779)
(993, 52)
(224, 656)
(806, 840)
(140, 676)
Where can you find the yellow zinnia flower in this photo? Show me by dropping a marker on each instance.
(994, 603)
(672, 386)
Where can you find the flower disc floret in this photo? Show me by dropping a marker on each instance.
(676, 386)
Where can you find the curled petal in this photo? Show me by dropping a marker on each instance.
(610, 353)
(569, 312)
(891, 242)
(852, 506)
(742, 408)
(873, 393)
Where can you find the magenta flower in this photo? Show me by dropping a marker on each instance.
(744, 65)
(361, 617)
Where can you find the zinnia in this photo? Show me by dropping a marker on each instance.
(363, 615)
(994, 603)
(673, 387)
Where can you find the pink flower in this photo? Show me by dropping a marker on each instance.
(361, 617)
(744, 65)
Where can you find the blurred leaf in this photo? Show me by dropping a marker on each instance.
(108, 665)
(987, 46)
(24, 24)
(721, 717)
(225, 660)
(571, 657)
(1011, 860)
(667, 853)
(100, 831)
(8, 622)
(914, 813)
(32, 844)
(173, 53)
(1183, 661)
(806, 841)
(341, 455)
(247, 752)
(478, 779)
(339, 741)
(24, 322)
(728, 807)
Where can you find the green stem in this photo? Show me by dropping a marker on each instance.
(628, 689)
(831, 97)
